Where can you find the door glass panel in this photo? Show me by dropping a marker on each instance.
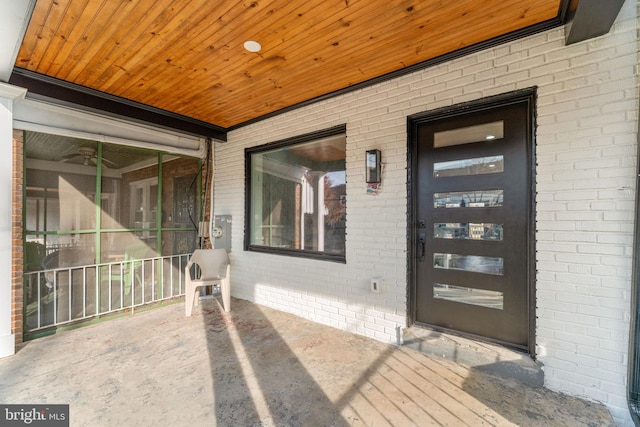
(465, 167)
(472, 263)
(457, 230)
(480, 297)
(466, 135)
(469, 199)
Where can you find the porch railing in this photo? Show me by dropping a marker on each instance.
(64, 295)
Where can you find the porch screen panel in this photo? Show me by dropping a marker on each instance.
(98, 219)
(60, 197)
(181, 185)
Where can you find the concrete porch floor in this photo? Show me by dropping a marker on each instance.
(256, 366)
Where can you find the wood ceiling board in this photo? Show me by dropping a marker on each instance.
(238, 70)
(201, 69)
(389, 39)
(93, 44)
(216, 83)
(306, 81)
(186, 56)
(58, 48)
(150, 53)
(197, 45)
(127, 48)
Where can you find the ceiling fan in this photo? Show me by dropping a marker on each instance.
(88, 156)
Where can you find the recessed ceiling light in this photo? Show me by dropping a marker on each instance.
(252, 46)
(490, 137)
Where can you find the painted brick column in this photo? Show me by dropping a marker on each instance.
(8, 95)
(17, 264)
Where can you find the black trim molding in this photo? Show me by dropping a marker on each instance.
(633, 374)
(63, 92)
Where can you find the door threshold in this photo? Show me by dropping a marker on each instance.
(480, 355)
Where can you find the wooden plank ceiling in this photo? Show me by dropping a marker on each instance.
(187, 56)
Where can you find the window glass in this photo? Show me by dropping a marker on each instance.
(479, 297)
(477, 231)
(484, 132)
(181, 185)
(465, 167)
(472, 263)
(298, 197)
(469, 199)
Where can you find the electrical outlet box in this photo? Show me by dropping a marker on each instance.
(221, 232)
(376, 284)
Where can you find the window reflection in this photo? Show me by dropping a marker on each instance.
(469, 199)
(479, 297)
(472, 263)
(298, 196)
(484, 132)
(465, 167)
(473, 231)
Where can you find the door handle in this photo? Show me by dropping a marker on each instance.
(421, 241)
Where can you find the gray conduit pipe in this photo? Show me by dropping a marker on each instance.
(211, 189)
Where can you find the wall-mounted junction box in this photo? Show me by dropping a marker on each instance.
(221, 233)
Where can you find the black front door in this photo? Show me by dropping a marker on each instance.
(472, 221)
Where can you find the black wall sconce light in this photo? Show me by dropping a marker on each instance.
(373, 172)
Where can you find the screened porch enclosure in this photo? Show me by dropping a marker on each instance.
(107, 227)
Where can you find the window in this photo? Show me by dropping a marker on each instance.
(296, 201)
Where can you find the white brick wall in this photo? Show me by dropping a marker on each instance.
(586, 141)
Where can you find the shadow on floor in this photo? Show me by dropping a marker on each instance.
(529, 405)
(257, 366)
(257, 379)
(508, 381)
(290, 372)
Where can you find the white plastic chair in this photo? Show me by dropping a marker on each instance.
(215, 269)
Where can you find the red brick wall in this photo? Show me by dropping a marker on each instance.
(17, 244)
